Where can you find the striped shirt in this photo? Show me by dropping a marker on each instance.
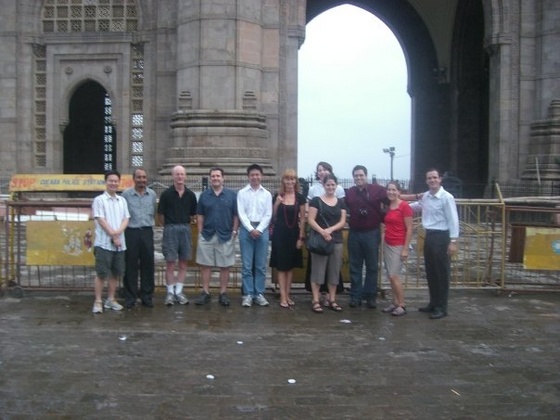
(114, 210)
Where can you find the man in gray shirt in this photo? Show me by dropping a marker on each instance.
(139, 236)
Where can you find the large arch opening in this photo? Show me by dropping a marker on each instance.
(447, 83)
(90, 137)
(353, 99)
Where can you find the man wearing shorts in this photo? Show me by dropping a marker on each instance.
(111, 219)
(217, 226)
(176, 211)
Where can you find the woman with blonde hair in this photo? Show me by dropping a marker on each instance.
(288, 215)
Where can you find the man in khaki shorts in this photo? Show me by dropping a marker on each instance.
(111, 219)
(217, 229)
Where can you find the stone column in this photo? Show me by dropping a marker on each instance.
(228, 86)
(503, 50)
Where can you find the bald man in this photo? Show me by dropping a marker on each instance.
(176, 211)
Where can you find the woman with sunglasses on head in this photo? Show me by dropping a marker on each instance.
(316, 190)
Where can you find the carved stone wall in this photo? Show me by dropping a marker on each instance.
(218, 81)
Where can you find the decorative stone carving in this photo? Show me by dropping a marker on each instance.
(250, 101)
(185, 101)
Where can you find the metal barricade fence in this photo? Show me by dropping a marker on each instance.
(496, 248)
(502, 246)
(480, 258)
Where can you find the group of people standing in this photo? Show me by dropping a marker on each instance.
(285, 219)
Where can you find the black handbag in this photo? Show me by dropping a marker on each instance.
(316, 243)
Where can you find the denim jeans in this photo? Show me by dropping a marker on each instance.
(254, 254)
(363, 248)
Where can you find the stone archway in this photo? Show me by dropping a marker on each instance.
(89, 138)
(448, 75)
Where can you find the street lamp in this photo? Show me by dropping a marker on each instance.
(391, 151)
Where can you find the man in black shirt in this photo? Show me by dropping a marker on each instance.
(176, 211)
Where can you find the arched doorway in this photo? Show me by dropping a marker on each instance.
(90, 137)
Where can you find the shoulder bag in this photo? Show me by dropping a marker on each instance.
(315, 242)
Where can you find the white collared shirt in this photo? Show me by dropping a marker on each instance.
(254, 206)
(439, 212)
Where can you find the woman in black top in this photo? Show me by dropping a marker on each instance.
(288, 214)
(327, 216)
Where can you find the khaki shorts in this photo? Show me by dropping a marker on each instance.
(392, 259)
(214, 253)
(108, 263)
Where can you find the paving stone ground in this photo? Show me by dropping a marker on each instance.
(494, 356)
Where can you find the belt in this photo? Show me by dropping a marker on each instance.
(140, 228)
(436, 231)
(364, 230)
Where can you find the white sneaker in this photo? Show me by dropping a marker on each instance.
(247, 301)
(97, 308)
(261, 301)
(169, 299)
(182, 299)
(113, 304)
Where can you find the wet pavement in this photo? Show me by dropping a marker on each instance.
(494, 356)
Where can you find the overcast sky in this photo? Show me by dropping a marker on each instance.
(352, 95)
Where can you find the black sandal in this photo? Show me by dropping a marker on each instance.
(316, 307)
(335, 307)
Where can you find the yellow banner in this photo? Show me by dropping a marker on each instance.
(60, 243)
(50, 182)
(542, 249)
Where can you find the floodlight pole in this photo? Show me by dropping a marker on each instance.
(391, 152)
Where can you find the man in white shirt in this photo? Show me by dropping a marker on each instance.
(441, 223)
(111, 219)
(254, 207)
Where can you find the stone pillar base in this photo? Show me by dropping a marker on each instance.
(232, 140)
